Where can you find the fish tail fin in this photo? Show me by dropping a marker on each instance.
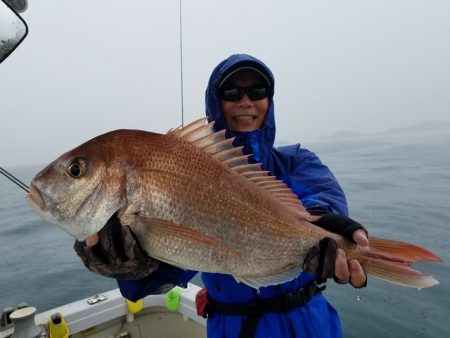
(391, 261)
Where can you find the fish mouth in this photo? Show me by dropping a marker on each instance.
(34, 198)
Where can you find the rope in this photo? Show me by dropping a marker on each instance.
(14, 179)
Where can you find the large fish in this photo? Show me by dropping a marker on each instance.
(194, 201)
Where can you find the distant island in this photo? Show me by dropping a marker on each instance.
(437, 127)
(429, 126)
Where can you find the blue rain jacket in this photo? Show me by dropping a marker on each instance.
(319, 192)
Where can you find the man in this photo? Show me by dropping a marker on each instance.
(239, 98)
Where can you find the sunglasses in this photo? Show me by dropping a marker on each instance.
(235, 94)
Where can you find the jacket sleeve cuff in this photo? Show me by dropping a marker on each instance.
(160, 281)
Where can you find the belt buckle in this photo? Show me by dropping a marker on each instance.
(292, 299)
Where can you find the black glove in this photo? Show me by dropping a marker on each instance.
(117, 253)
(339, 224)
(320, 259)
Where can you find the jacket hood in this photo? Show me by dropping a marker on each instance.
(258, 142)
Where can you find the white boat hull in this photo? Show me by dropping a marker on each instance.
(107, 315)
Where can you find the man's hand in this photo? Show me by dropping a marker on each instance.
(327, 261)
(114, 252)
(351, 271)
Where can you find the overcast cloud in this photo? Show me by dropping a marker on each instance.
(89, 66)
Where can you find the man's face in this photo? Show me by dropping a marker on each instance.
(245, 114)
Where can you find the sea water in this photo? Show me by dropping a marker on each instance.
(397, 185)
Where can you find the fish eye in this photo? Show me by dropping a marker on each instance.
(77, 168)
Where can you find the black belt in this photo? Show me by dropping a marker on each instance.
(256, 308)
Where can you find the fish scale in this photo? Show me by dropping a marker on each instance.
(192, 201)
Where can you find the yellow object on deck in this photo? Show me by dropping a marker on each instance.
(135, 307)
(57, 326)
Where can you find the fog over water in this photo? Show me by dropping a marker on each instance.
(92, 66)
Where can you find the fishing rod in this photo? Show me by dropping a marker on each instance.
(181, 67)
(14, 179)
(23, 186)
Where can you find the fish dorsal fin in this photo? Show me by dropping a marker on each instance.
(201, 134)
(181, 131)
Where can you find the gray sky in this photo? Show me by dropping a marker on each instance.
(90, 66)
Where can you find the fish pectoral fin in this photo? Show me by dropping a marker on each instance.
(173, 232)
(286, 275)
